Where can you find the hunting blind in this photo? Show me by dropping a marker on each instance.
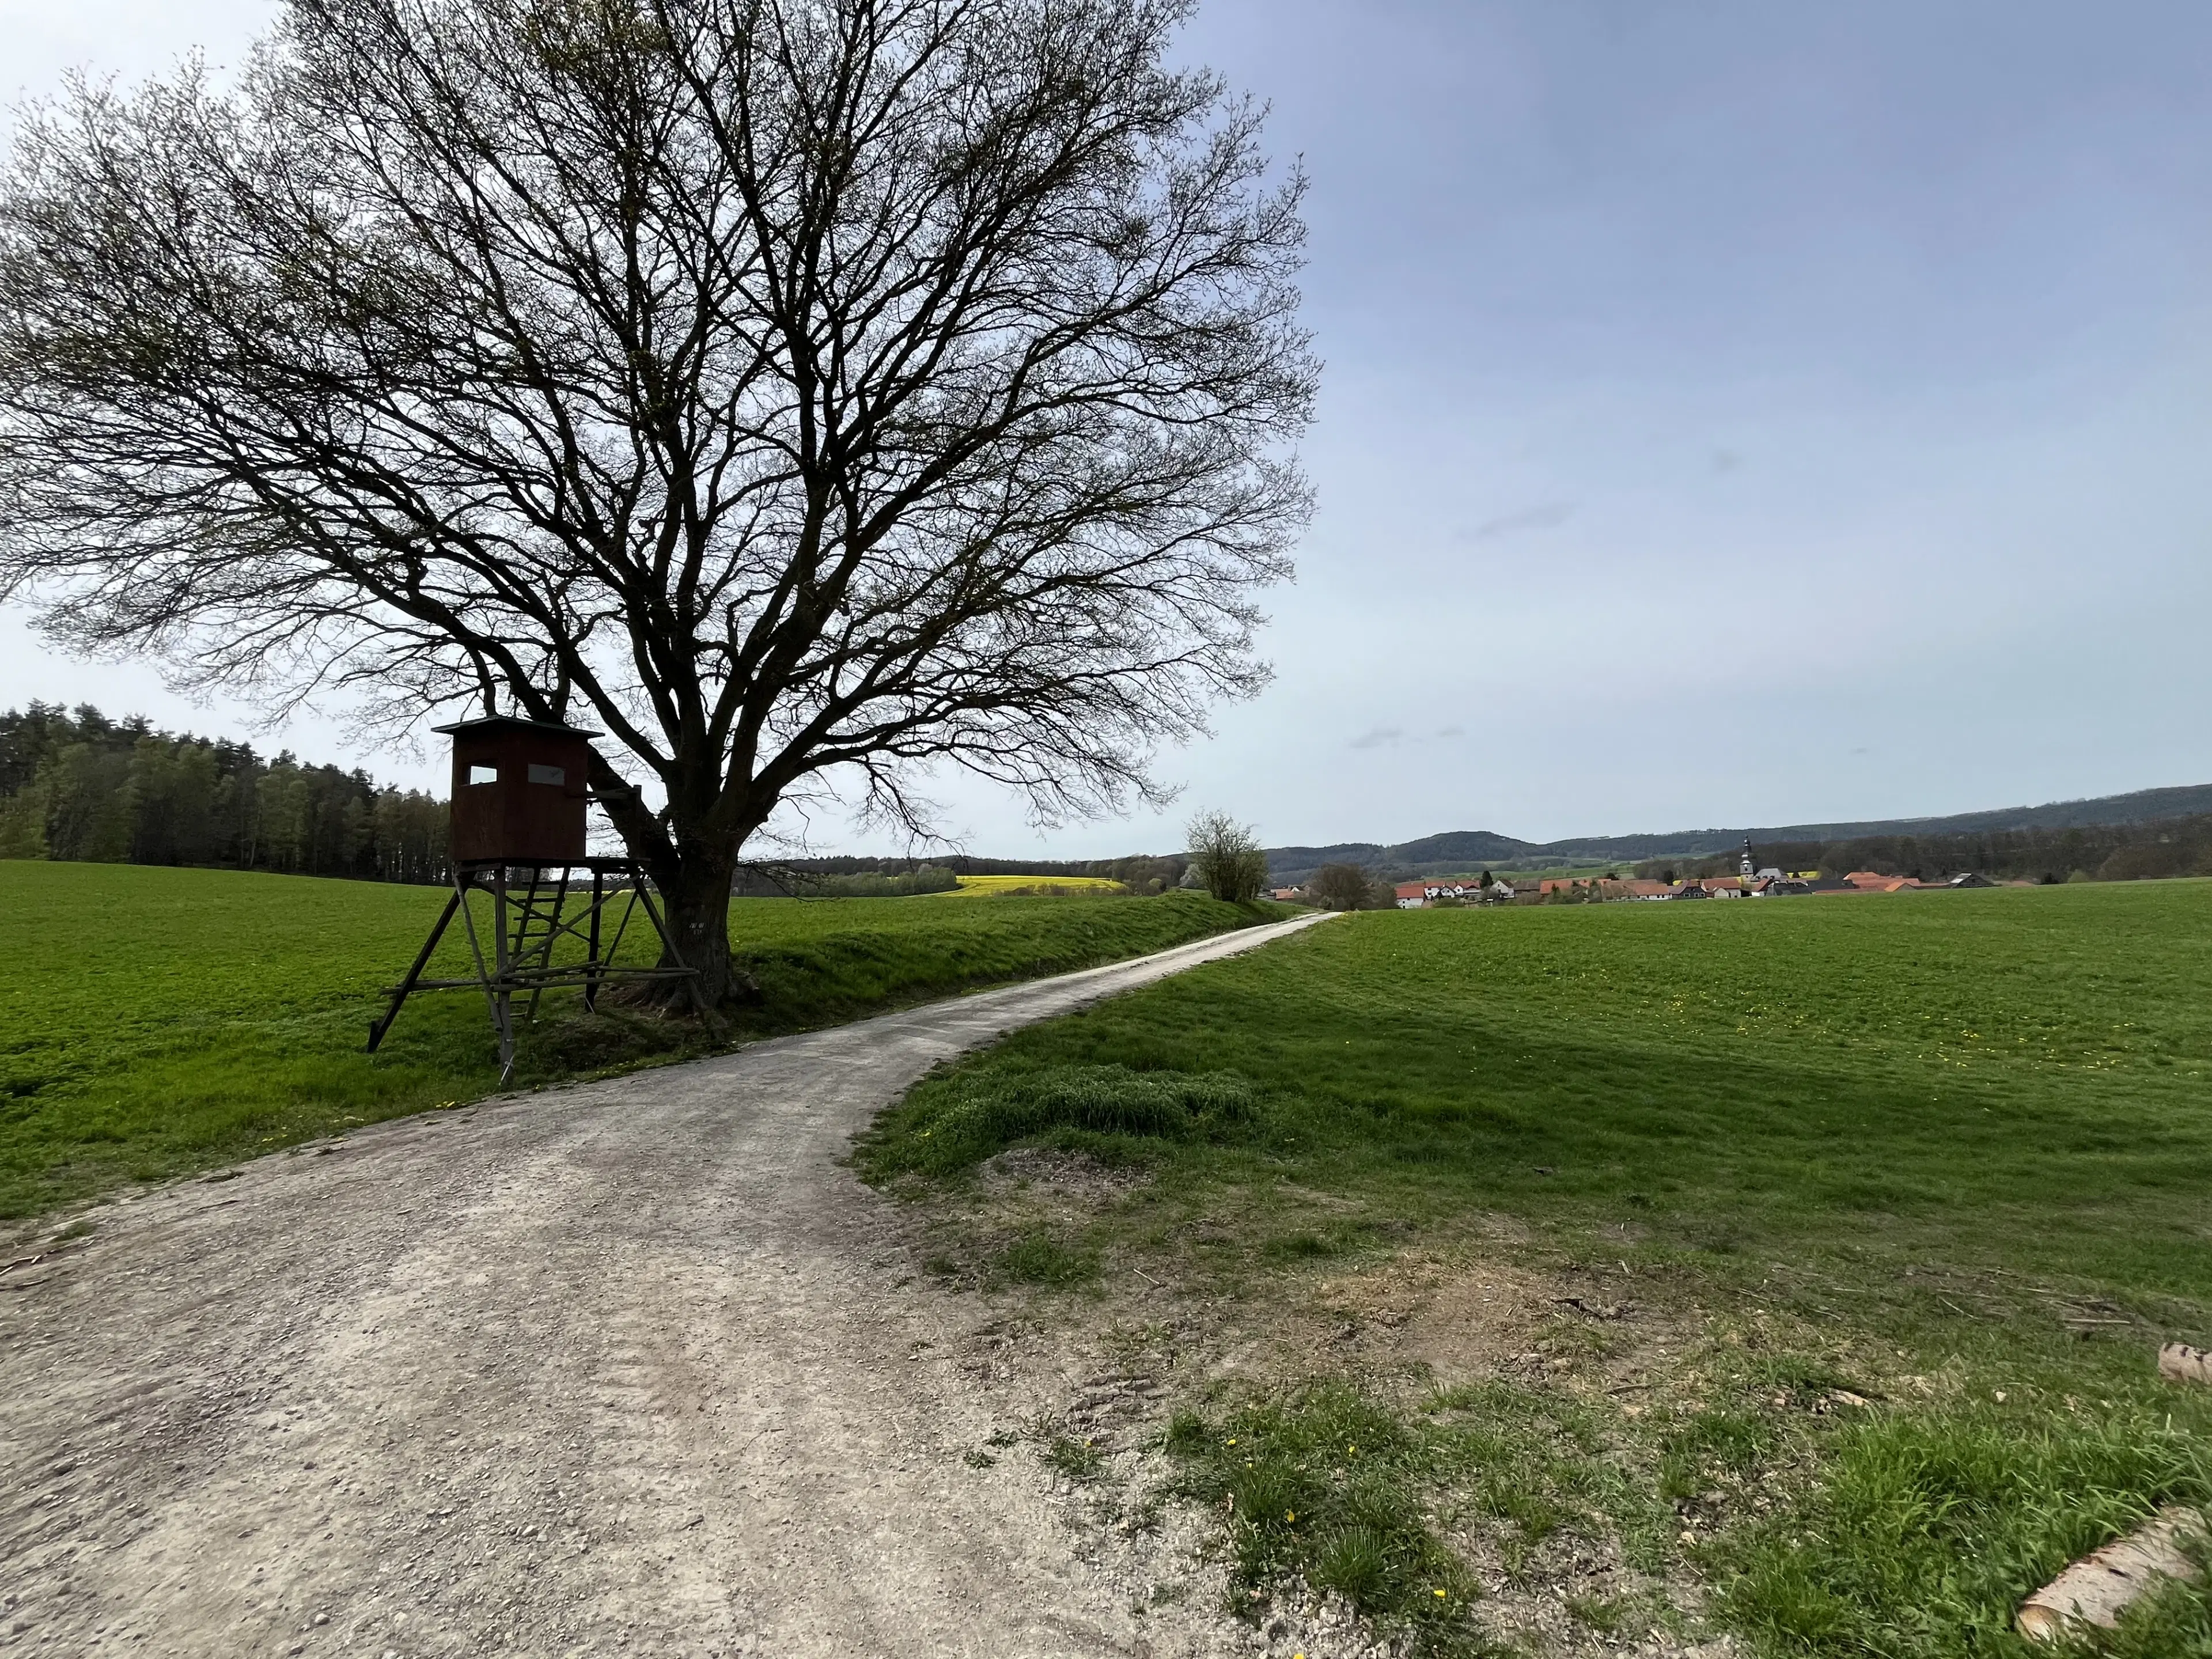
(518, 791)
(519, 841)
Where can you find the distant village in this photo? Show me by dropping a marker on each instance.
(1751, 881)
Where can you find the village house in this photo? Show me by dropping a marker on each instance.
(1768, 883)
(1415, 895)
(1605, 888)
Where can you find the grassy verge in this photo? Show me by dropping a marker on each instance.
(156, 1021)
(1919, 1183)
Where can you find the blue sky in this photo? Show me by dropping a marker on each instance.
(1734, 413)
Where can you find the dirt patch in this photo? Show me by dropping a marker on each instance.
(1426, 1318)
(1071, 1181)
(1455, 1321)
(1405, 1328)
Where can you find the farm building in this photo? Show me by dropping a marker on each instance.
(1869, 881)
(1412, 894)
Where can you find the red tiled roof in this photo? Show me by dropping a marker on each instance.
(1867, 881)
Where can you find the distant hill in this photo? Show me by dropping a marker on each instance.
(1463, 850)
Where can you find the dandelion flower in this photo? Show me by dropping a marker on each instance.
(1440, 1595)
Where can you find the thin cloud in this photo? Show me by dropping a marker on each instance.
(1380, 736)
(1550, 516)
(1451, 731)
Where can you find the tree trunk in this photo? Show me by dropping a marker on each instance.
(691, 875)
(696, 894)
(2093, 1592)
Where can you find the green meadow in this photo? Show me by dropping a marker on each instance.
(155, 1021)
(1946, 1158)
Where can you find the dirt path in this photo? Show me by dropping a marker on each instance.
(630, 1368)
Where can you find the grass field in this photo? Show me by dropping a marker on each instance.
(153, 1021)
(1949, 1154)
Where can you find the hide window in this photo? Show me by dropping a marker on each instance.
(556, 775)
(484, 774)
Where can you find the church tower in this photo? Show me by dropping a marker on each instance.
(1750, 867)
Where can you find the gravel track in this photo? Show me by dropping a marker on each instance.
(625, 1367)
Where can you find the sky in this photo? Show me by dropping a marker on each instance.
(1734, 414)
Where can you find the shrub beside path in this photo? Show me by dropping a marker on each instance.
(627, 1365)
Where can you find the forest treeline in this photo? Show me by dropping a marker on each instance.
(75, 784)
(807, 881)
(2124, 852)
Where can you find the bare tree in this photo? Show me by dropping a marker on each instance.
(1343, 887)
(1226, 857)
(807, 392)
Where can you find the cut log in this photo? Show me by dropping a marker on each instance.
(2185, 1364)
(2097, 1589)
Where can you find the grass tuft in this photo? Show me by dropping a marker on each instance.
(1076, 1460)
(1037, 1258)
(1717, 1442)
(958, 1117)
(1328, 1486)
